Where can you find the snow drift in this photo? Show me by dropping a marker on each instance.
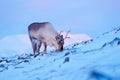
(98, 60)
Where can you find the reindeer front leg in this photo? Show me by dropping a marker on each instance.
(45, 47)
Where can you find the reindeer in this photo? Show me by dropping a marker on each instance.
(44, 33)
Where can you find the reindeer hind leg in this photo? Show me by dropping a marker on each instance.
(39, 46)
(34, 45)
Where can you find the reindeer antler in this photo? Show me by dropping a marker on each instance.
(60, 32)
(66, 36)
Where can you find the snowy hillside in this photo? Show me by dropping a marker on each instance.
(98, 60)
(19, 44)
(15, 44)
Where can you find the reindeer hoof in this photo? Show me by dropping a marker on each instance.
(36, 55)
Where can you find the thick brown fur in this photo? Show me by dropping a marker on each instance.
(44, 33)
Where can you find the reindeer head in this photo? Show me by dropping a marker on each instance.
(60, 42)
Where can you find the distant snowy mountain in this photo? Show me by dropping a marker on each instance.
(19, 44)
(75, 38)
(97, 60)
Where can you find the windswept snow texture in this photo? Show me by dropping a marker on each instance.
(97, 60)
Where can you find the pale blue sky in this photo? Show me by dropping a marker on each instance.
(92, 17)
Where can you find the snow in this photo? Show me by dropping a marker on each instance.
(19, 44)
(15, 44)
(78, 61)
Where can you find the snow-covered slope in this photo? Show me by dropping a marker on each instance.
(15, 44)
(19, 44)
(98, 60)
